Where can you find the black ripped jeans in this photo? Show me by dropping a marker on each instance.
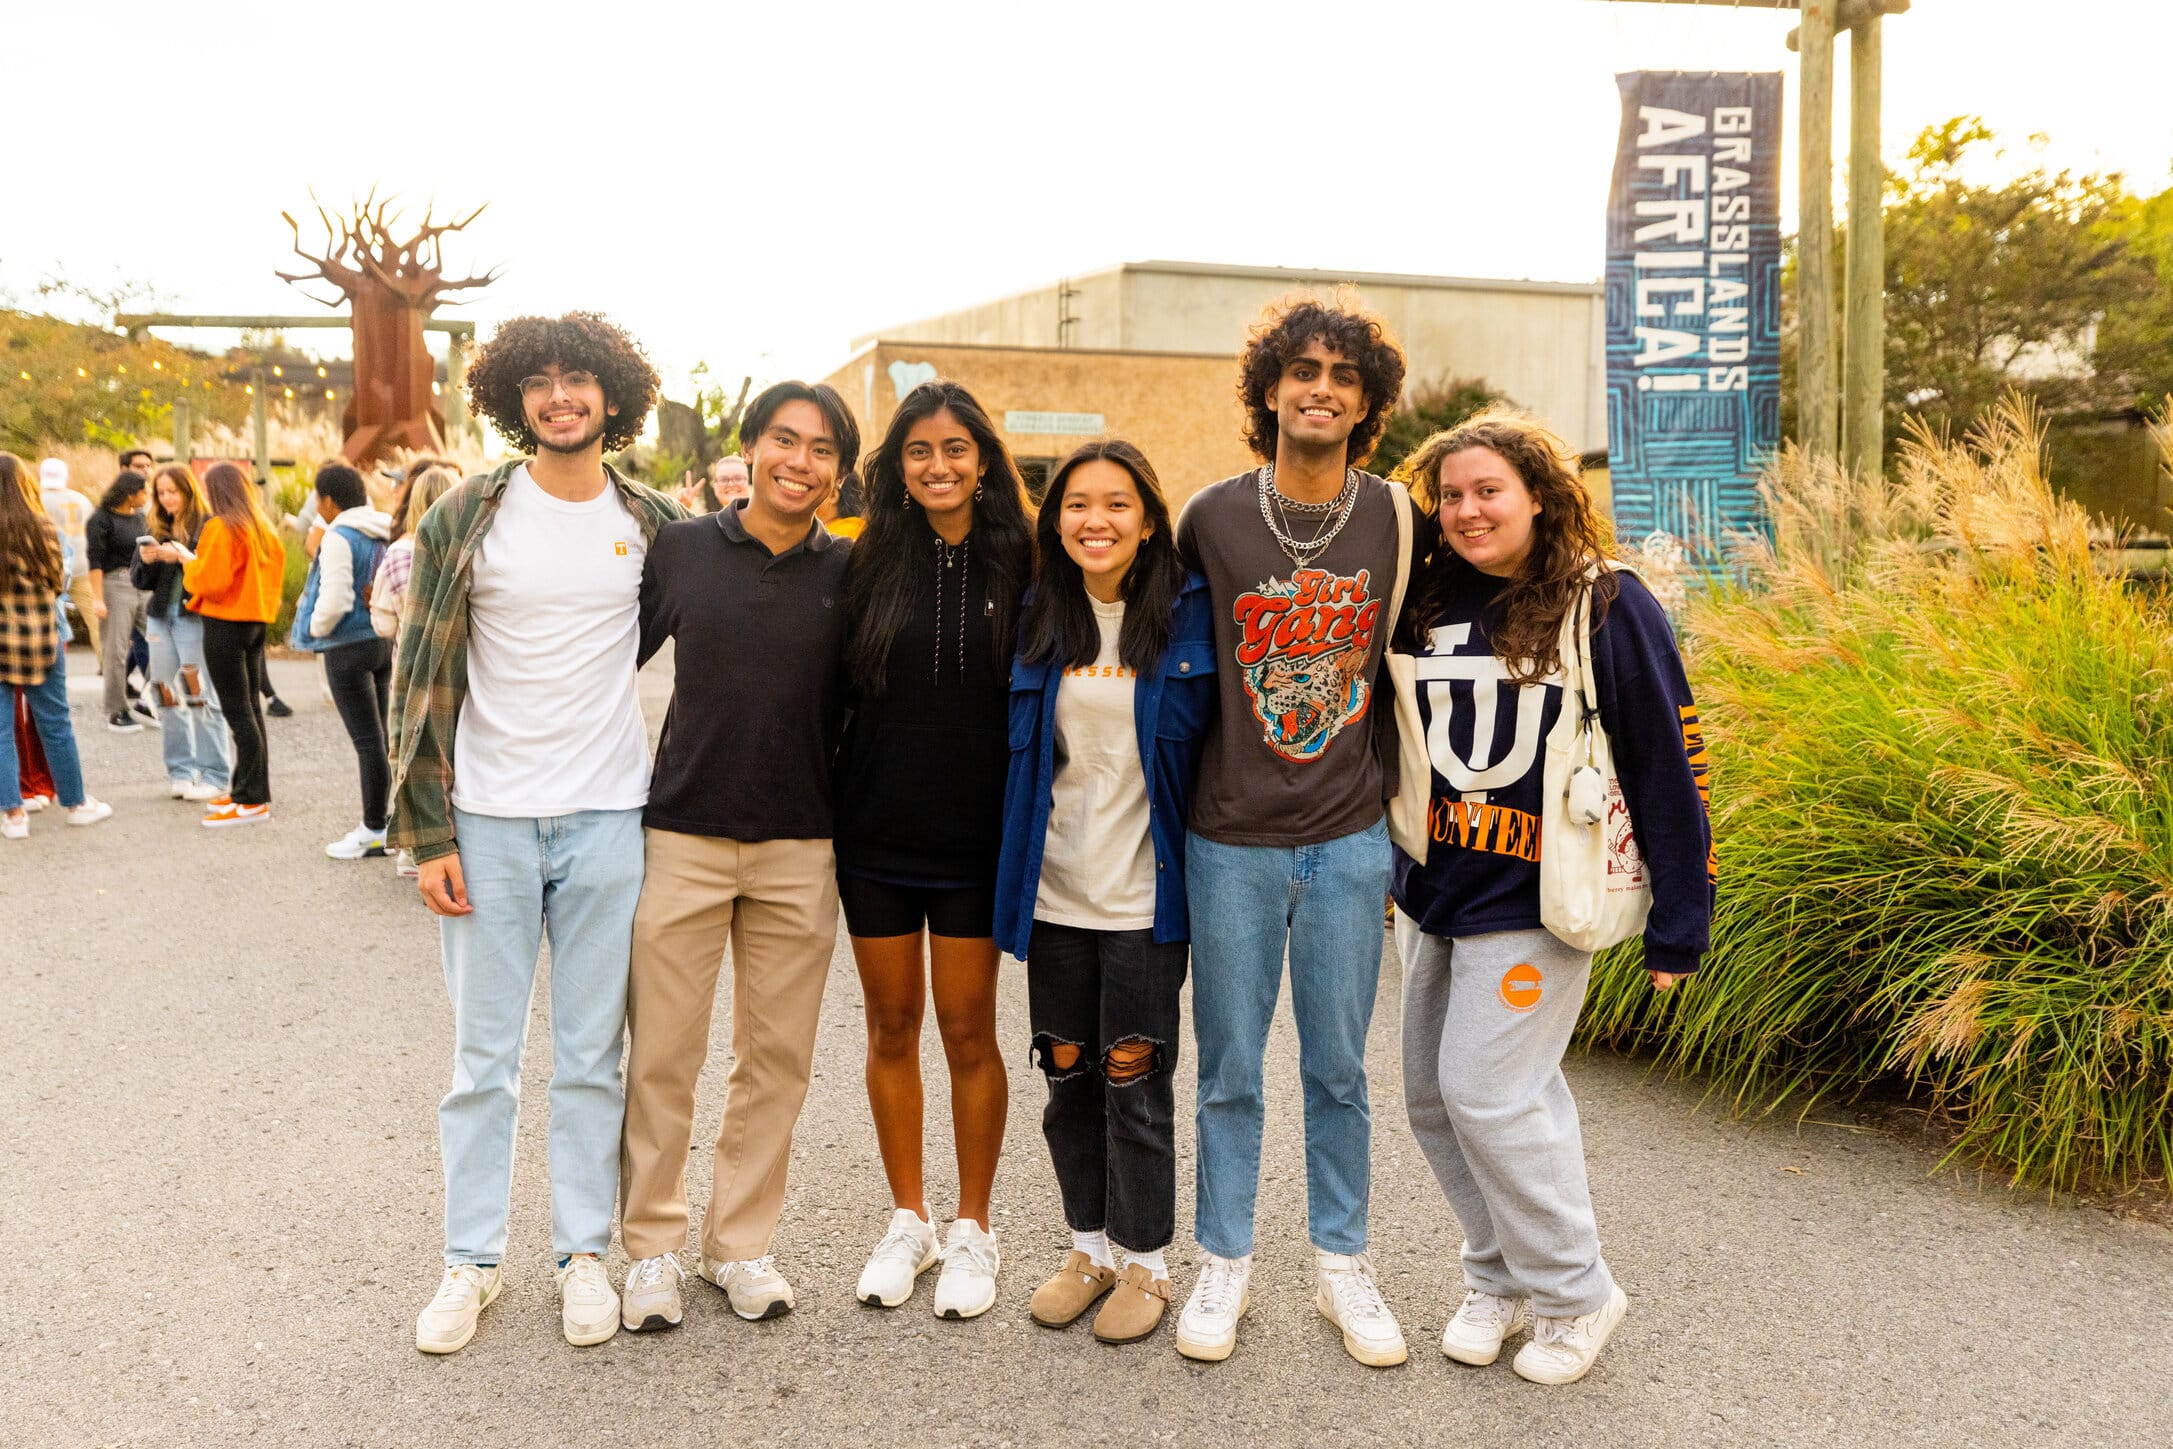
(1103, 1005)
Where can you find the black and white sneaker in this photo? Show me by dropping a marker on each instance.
(277, 708)
(123, 723)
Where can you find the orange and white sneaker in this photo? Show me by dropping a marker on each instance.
(229, 813)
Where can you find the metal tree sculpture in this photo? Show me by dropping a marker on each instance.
(392, 287)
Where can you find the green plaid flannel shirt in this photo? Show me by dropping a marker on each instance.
(430, 682)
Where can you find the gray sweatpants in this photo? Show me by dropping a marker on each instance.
(1485, 1022)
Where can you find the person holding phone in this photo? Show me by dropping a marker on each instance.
(198, 752)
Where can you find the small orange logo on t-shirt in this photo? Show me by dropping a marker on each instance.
(1520, 987)
(619, 548)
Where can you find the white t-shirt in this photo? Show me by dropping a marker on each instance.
(1097, 862)
(552, 724)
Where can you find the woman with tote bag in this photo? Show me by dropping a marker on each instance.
(1556, 718)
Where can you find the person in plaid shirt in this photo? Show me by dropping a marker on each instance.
(520, 769)
(33, 572)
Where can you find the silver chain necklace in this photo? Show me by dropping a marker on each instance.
(1334, 514)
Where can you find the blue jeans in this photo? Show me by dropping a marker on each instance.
(48, 701)
(575, 878)
(1248, 902)
(193, 729)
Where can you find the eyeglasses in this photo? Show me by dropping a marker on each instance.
(539, 386)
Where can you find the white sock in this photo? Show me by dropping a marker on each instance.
(1096, 1246)
(1152, 1262)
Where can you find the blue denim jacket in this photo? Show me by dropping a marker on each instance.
(1173, 708)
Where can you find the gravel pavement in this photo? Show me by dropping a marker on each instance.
(223, 1059)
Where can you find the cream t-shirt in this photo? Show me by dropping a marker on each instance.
(552, 724)
(1097, 863)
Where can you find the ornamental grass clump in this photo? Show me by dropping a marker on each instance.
(1942, 744)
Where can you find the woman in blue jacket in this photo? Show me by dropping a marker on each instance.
(1111, 699)
(1491, 996)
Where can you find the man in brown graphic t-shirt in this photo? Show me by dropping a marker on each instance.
(1288, 848)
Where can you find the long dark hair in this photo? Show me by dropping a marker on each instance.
(1059, 625)
(29, 544)
(1569, 536)
(893, 550)
(120, 490)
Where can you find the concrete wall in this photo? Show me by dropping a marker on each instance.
(1181, 409)
(1539, 342)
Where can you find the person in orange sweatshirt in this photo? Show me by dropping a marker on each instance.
(235, 580)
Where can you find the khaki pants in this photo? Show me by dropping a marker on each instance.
(777, 903)
(79, 594)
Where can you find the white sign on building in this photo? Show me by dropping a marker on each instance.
(1056, 424)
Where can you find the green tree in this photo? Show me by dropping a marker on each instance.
(2013, 285)
(61, 382)
(1426, 409)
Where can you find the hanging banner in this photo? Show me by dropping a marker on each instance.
(1693, 309)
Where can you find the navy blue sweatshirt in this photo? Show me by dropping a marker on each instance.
(1482, 865)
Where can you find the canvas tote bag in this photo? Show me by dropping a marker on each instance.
(1409, 808)
(1594, 886)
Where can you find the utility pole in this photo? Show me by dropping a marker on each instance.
(1817, 422)
(1863, 384)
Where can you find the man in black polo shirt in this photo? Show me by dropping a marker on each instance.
(738, 847)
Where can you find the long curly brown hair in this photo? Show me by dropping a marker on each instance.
(1570, 535)
(578, 341)
(166, 526)
(1345, 327)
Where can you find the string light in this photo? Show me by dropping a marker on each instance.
(158, 367)
(290, 392)
(249, 389)
(320, 372)
(327, 391)
(79, 372)
(279, 372)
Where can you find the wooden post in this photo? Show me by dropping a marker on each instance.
(183, 425)
(1817, 422)
(263, 437)
(456, 376)
(1863, 423)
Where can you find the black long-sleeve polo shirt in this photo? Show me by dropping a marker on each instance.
(758, 695)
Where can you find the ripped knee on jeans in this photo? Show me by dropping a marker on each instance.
(1131, 1059)
(167, 699)
(193, 682)
(1058, 1057)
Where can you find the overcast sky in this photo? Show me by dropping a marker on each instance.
(754, 185)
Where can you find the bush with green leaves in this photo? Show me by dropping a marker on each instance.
(1942, 743)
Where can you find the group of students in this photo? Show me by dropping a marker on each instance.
(194, 571)
(1121, 745)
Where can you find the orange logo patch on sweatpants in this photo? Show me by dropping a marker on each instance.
(1520, 987)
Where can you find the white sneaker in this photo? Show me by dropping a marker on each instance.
(15, 827)
(1207, 1329)
(588, 1308)
(966, 1288)
(200, 792)
(908, 1249)
(651, 1296)
(753, 1286)
(1475, 1334)
(35, 803)
(1562, 1349)
(90, 812)
(404, 864)
(1347, 1296)
(357, 843)
(177, 789)
(449, 1322)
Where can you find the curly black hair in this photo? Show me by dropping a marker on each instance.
(578, 341)
(1283, 332)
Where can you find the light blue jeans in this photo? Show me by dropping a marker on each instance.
(573, 878)
(48, 704)
(189, 721)
(1249, 902)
